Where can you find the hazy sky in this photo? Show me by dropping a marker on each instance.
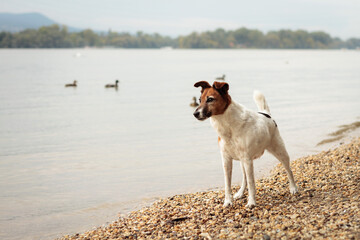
(340, 18)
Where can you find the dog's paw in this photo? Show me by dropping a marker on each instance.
(239, 195)
(293, 189)
(227, 203)
(250, 204)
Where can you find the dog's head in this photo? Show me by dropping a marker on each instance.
(214, 99)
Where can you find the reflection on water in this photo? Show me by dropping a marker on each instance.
(73, 158)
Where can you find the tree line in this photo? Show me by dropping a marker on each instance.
(56, 36)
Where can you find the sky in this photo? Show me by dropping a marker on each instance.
(339, 18)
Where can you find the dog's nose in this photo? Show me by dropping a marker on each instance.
(196, 114)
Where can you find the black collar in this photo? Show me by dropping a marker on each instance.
(268, 116)
(265, 114)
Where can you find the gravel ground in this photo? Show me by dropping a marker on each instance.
(327, 206)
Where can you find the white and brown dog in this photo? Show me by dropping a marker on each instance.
(244, 135)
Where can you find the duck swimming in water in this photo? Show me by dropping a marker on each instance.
(112, 85)
(194, 103)
(74, 84)
(221, 78)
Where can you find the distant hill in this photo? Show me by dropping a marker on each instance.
(16, 22)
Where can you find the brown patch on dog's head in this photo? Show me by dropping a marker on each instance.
(214, 99)
(203, 85)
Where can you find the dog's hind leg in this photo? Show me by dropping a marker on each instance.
(240, 193)
(277, 148)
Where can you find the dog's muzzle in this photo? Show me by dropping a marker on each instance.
(200, 115)
(196, 114)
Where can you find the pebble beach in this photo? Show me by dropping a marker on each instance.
(327, 206)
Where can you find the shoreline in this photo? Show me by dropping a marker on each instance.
(326, 206)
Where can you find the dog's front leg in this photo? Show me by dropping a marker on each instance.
(249, 169)
(227, 164)
(241, 191)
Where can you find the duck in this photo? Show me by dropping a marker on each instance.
(112, 85)
(74, 84)
(221, 78)
(194, 103)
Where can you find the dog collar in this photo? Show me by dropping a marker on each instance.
(268, 116)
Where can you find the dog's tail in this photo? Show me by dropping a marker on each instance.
(261, 103)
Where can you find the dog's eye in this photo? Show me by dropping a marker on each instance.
(199, 100)
(210, 99)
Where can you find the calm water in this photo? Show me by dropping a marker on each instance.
(71, 159)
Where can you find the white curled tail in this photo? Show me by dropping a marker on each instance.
(261, 103)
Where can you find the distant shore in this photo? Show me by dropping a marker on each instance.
(56, 36)
(327, 206)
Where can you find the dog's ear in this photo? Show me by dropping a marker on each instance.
(221, 87)
(203, 85)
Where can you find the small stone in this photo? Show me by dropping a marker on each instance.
(266, 237)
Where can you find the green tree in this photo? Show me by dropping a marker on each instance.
(90, 38)
(353, 43)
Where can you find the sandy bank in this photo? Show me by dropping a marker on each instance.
(327, 206)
